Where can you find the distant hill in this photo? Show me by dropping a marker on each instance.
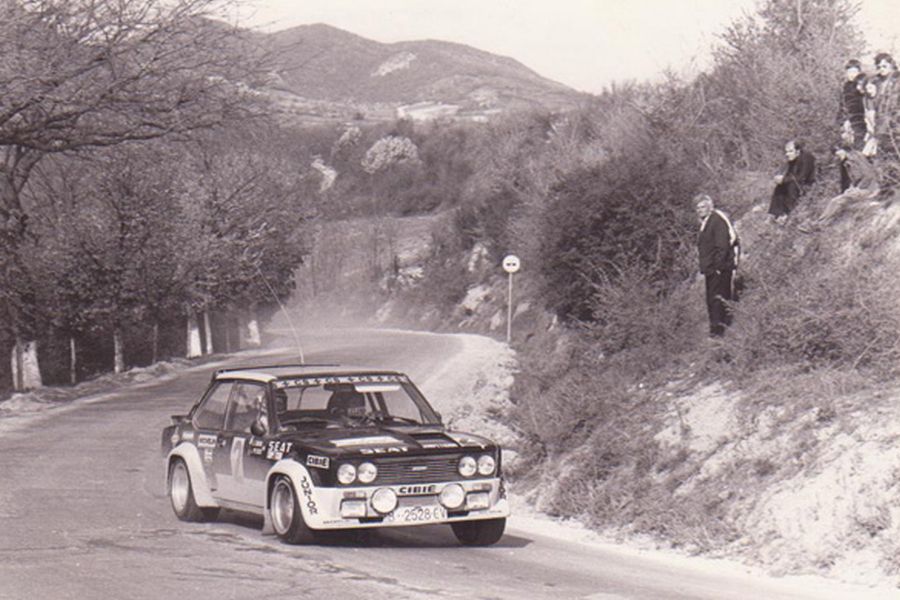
(326, 72)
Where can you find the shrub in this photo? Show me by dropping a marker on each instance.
(629, 212)
(798, 312)
(635, 315)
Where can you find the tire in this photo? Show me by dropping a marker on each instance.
(287, 518)
(479, 533)
(181, 495)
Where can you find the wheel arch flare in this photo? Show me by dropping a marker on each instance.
(304, 490)
(200, 484)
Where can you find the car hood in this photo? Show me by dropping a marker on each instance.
(385, 440)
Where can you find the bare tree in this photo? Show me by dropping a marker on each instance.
(77, 74)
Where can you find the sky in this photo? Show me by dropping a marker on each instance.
(585, 44)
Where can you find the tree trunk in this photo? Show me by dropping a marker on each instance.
(25, 367)
(194, 348)
(18, 370)
(313, 274)
(250, 330)
(73, 361)
(118, 351)
(207, 331)
(241, 329)
(155, 342)
(228, 323)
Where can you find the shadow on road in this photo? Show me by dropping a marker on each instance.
(423, 536)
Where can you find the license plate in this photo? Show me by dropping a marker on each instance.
(419, 514)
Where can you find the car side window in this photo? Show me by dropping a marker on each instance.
(245, 405)
(211, 414)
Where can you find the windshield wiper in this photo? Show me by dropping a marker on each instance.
(402, 420)
(300, 420)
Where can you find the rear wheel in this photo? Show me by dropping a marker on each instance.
(479, 533)
(287, 518)
(181, 494)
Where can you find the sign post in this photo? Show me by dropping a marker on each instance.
(511, 265)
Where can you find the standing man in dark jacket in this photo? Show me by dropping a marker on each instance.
(887, 119)
(799, 173)
(717, 246)
(852, 112)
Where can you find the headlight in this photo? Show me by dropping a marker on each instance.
(452, 496)
(467, 466)
(486, 464)
(346, 473)
(366, 472)
(384, 500)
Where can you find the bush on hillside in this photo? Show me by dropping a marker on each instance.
(561, 398)
(488, 219)
(821, 309)
(777, 75)
(632, 211)
(650, 325)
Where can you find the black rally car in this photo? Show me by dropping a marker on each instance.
(313, 448)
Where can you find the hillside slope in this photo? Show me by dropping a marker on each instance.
(796, 470)
(794, 467)
(320, 62)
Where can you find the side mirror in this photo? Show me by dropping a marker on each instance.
(258, 428)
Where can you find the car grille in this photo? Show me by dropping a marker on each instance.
(422, 469)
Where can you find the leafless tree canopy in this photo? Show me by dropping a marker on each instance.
(82, 73)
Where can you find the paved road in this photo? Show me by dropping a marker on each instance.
(84, 515)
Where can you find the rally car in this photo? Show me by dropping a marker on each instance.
(316, 448)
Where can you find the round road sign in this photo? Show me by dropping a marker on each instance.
(511, 263)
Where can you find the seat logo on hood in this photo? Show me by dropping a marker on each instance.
(375, 440)
(384, 444)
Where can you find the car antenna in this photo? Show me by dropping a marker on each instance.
(286, 314)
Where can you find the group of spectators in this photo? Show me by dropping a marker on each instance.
(868, 106)
(867, 111)
(867, 154)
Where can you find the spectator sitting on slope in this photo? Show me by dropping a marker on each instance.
(863, 186)
(798, 174)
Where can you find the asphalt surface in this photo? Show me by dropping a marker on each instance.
(84, 515)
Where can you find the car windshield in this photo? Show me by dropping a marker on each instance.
(350, 401)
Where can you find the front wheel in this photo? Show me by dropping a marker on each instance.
(181, 494)
(287, 518)
(479, 533)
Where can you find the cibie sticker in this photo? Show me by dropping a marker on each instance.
(205, 440)
(277, 450)
(319, 462)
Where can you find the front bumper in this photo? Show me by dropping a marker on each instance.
(352, 507)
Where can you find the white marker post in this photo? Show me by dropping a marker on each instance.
(511, 265)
